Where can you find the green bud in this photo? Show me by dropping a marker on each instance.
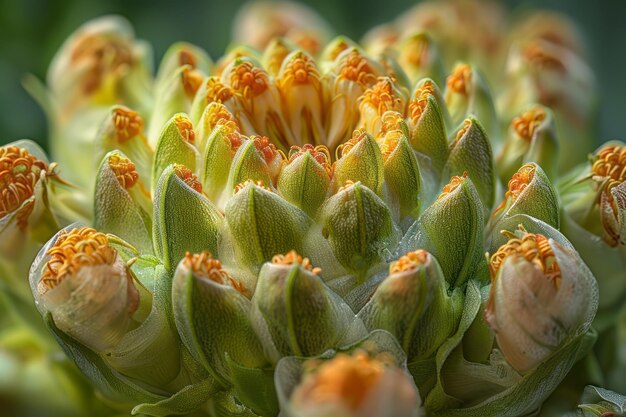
(211, 314)
(295, 313)
(413, 304)
(184, 219)
(122, 204)
(358, 226)
(427, 123)
(531, 138)
(175, 146)
(219, 153)
(263, 224)
(250, 163)
(599, 402)
(459, 250)
(470, 152)
(419, 57)
(181, 73)
(382, 97)
(305, 179)
(467, 94)
(360, 160)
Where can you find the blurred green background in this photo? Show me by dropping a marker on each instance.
(32, 30)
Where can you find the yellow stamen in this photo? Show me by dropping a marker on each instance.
(357, 136)
(300, 70)
(217, 92)
(518, 182)
(128, 124)
(292, 257)
(265, 148)
(526, 124)
(418, 104)
(19, 172)
(346, 185)
(203, 265)
(610, 165)
(248, 80)
(354, 67)
(534, 248)
(188, 177)
(320, 153)
(467, 123)
(409, 261)
(192, 80)
(454, 183)
(73, 250)
(124, 170)
(185, 128)
(258, 184)
(381, 96)
(460, 79)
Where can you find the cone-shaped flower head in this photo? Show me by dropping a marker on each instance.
(542, 295)
(609, 172)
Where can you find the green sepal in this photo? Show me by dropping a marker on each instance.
(116, 211)
(358, 226)
(247, 164)
(218, 157)
(304, 182)
(402, 176)
(364, 163)
(254, 387)
(459, 250)
(172, 148)
(225, 404)
(199, 305)
(471, 153)
(598, 402)
(183, 402)
(184, 220)
(428, 133)
(262, 224)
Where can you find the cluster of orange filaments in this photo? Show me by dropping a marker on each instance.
(418, 103)
(300, 70)
(346, 185)
(258, 184)
(248, 80)
(527, 123)
(218, 115)
(518, 182)
(190, 77)
(409, 261)
(72, 251)
(216, 91)
(127, 123)
(292, 257)
(124, 170)
(381, 96)
(188, 177)
(99, 54)
(454, 183)
(357, 136)
(19, 172)
(203, 265)
(467, 123)
(460, 79)
(320, 153)
(346, 378)
(264, 147)
(534, 248)
(185, 128)
(390, 143)
(609, 166)
(354, 67)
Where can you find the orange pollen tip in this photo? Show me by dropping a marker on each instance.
(610, 164)
(357, 136)
(466, 125)
(292, 257)
(454, 183)
(204, 266)
(19, 172)
(258, 184)
(526, 124)
(127, 123)
(390, 143)
(459, 80)
(300, 70)
(185, 128)
(391, 121)
(249, 81)
(418, 104)
(346, 185)
(217, 92)
(192, 80)
(73, 250)
(188, 177)
(265, 148)
(518, 182)
(320, 153)
(534, 248)
(382, 97)
(346, 378)
(408, 262)
(355, 67)
(124, 170)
